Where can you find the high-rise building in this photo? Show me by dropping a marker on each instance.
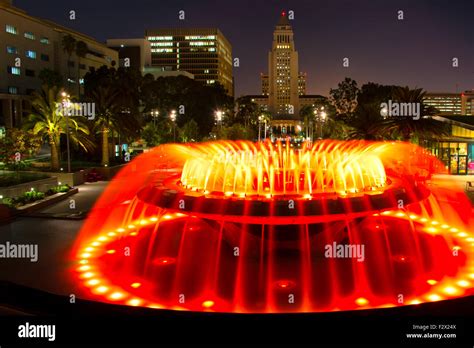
(136, 54)
(445, 103)
(449, 104)
(285, 82)
(467, 102)
(205, 53)
(28, 46)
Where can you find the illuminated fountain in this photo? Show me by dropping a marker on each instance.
(244, 227)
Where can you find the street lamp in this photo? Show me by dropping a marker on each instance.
(66, 110)
(323, 119)
(173, 119)
(260, 119)
(219, 116)
(320, 115)
(155, 114)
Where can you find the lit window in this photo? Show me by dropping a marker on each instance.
(160, 38)
(161, 44)
(30, 54)
(11, 29)
(29, 35)
(161, 50)
(44, 40)
(12, 50)
(14, 70)
(13, 90)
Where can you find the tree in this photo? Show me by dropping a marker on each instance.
(81, 50)
(18, 141)
(189, 132)
(51, 78)
(68, 44)
(156, 134)
(115, 93)
(190, 99)
(408, 127)
(366, 123)
(47, 121)
(344, 97)
(247, 111)
(236, 132)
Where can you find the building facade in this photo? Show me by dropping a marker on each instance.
(136, 54)
(449, 104)
(205, 53)
(30, 45)
(133, 53)
(284, 78)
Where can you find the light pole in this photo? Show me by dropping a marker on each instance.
(265, 129)
(320, 115)
(66, 110)
(173, 119)
(260, 119)
(155, 114)
(218, 115)
(323, 119)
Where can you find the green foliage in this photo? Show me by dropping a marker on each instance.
(189, 132)
(344, 97)
(50, 78)
(189, 98)
(28, 197)
(9, 202)
(236, 132)
(33, 196)
(159, 133)
(247, 111)
(47, 121)
(58, 189)
(359, 111)
(18, 141)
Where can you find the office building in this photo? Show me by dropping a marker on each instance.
(28, 45)
(205, 53)
(451, 104)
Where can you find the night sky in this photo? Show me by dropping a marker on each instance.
(416, 51)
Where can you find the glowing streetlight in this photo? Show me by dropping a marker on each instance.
(261, 118)
(173, 119)
(66, 105)
(155, 114)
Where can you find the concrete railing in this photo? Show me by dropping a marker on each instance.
(42, 185)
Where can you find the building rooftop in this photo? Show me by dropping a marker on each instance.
(283, 21)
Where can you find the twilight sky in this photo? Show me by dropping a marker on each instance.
(417, 51)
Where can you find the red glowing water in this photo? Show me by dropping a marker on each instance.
(242, 227)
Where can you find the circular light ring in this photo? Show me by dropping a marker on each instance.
(448, 288)
(171, 196)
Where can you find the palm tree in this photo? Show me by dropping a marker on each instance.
(408, 127)
(306, 115)
(48, 121)
(81, 50)
(115, 93)
(106, 98)
(366, 123)
(68, 44)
